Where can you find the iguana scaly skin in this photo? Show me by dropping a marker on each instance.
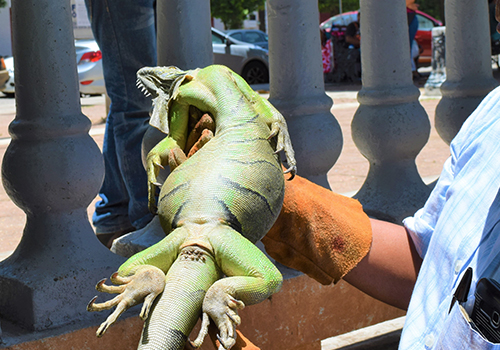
(214, 207)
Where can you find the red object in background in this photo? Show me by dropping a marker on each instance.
(91, 56)
(423, 37)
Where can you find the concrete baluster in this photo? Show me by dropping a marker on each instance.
(469, 75)
(297, 87)
(390, 126)
(184, 40)
(184, 36)
(52, 170)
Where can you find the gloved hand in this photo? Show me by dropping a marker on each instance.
(319, 232)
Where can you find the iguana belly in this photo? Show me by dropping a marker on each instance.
(235, 179)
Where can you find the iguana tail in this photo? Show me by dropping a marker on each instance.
(178, 308)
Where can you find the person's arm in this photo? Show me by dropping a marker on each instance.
(389, 271)
(353, 40)
(329, 237)
(351, 36)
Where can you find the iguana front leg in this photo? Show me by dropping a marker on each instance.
(169, 151)
(274, 119)
(251, 279)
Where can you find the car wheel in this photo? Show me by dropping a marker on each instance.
(255, 73)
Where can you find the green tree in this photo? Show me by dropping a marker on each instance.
(433, 8)
(3, 3)
(233, 12)
(333, 6)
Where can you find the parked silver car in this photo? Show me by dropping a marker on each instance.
(252, 36)
(248, 60)
(89, 66)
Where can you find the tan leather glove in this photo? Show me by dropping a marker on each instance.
(319, 232)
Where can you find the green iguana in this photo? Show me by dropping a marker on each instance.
(214, 207)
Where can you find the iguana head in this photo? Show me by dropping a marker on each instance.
(162, 83)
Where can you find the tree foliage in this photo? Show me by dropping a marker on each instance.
(3, 3)
(431, 7)
(233, 12)
(333, 6)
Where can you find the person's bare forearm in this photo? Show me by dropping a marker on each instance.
(389, 271)
(352, 40)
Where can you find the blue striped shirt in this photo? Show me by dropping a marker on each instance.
(457, 228)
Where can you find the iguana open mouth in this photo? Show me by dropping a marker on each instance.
(162, 83)
(153, 80)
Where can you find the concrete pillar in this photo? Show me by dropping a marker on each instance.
(184, 40)
(184, 36)
(468, 64)
(390, 126)
(438, 73)
(52, 170)
(297, 87)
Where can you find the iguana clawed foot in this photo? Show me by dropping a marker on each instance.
(157, 160)
(145, 285)
(222, 309)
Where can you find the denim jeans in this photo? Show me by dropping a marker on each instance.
(125, 32)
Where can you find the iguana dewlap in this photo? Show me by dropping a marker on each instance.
(214, 207)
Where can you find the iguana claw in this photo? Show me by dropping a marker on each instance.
(292, 170)
(222, 346)
(222, 308)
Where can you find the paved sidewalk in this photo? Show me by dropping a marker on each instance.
(346, 176)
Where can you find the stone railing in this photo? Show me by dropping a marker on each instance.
(52, 168)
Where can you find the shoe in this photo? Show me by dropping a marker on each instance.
(108, 238)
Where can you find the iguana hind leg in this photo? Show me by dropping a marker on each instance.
(131, 291)
(140, 278)
(251, 279)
